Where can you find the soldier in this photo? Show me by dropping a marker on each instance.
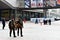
(12, 27)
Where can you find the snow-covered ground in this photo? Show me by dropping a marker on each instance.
(33, 31)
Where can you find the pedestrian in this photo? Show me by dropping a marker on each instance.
(36, 22)
(44, 21)
(49, 22)
(12, 27)
(41, 21)
(20, 27)
(3, 23)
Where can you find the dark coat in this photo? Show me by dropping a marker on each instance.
(36, 21)
(20, 22)
(3, 21)
(11, 24)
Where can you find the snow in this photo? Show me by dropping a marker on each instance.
(32, 31)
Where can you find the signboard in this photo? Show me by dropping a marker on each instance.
(33, 4)
(50, 3)
(58, 2)
(39, 3)
(27, 3)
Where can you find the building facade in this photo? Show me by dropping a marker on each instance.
(11, 9)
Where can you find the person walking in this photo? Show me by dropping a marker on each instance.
(36, 22)
(49, 22)
(12, 27)
(21, 23)
(3, 23)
